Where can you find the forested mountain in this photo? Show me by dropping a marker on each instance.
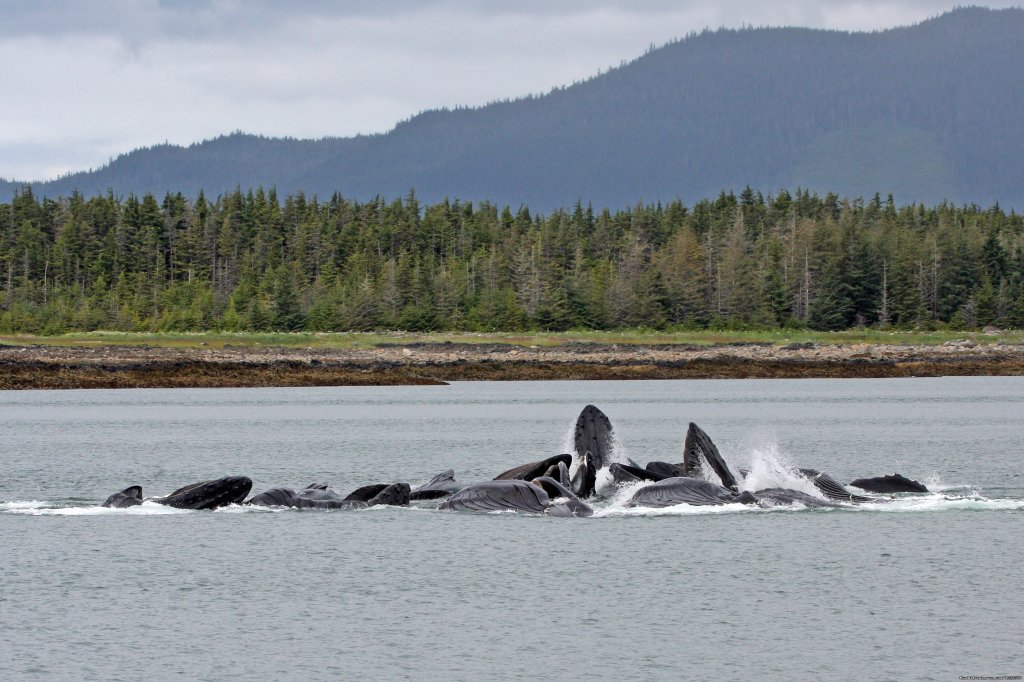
(257, 261)
(927, 112)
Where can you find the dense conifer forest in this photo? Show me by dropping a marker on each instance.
(256, 261)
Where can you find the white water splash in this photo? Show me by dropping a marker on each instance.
(770, 468)
(147, 508)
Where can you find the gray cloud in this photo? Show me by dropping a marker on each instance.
(106, 76)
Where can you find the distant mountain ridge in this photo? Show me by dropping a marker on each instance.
(926, 112)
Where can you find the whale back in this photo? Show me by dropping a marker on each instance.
(210, 494)
(275, 497)
(893, 483)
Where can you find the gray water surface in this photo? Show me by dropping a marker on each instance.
(919, 589)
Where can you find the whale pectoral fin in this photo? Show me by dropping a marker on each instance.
(275, 497)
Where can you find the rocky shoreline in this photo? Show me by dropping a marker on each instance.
(122, 366)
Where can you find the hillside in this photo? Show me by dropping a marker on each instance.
(927, 112)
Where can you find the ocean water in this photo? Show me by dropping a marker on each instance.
(927, 587)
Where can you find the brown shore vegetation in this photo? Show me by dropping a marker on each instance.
(137, 366)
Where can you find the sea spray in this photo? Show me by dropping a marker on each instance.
(769, 468)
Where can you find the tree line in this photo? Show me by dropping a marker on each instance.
(251, 261)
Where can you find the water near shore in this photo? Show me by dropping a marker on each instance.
(917, 589)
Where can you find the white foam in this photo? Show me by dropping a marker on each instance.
(17, 505)
(147, 508)
(770, 468)
(675, 510)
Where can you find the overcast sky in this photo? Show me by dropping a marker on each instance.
(83, 81)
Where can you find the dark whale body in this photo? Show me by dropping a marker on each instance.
(592, 441)
(665, 470)
(685, 490)
(441, 485)
(531, 470)
(531, 497)
(395, 494)
(209, 494)
(697, 449)
(700, 493)
(626, 473)
(831, 488)
(594, 435)
(775, 497)
(893, 483)
(129, 497)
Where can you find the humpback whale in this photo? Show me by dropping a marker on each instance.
(532, 497)
(202, 495)
(697, 449)
(209, 494)
(530, 471)
(700, 493)
(831, 488)
(686, 490)
(129, 497)
(893, 483)
(321, 497)
(441, 485)
(592, 441)
(627, 473)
